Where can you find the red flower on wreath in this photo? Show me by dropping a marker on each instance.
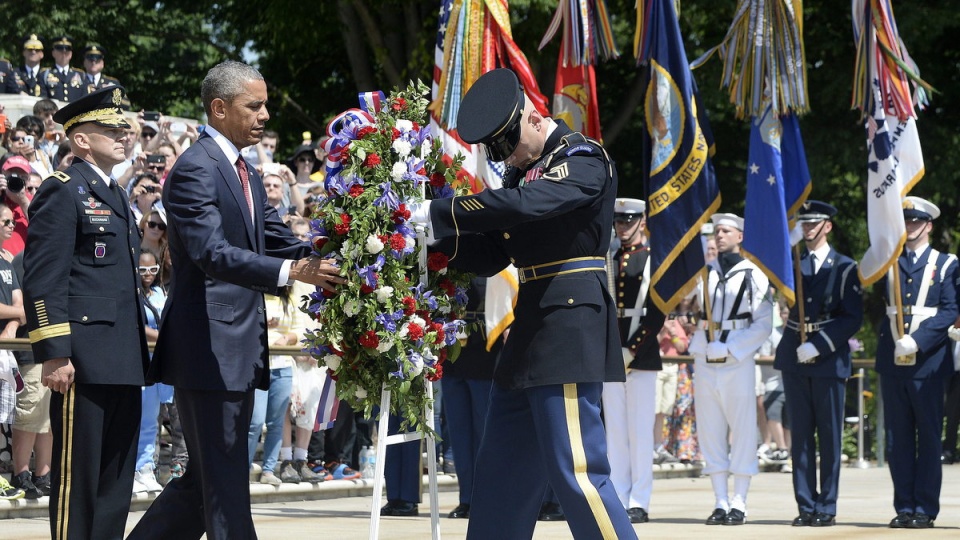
(372, 161)
(369, 340)
(319, 242)
(415, 331)
(345, 154)
(438, 328)
(395, 134)
(356, 190)
(366, 289)
(399, 104)
(409, 305)
(438, 180)
(397, 242)
(365, 130)
(416, 126)
(437, 261)
(436, 374)
(344, 226)
(401, 214)
(448, 287)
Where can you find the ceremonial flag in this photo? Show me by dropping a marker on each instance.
(575, 98)
(895, 160)
(776, 165)
(681, 187)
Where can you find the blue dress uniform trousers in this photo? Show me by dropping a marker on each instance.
(914, 412)
(403, 471)
(547, 434)
(465, 404)
(815, 405)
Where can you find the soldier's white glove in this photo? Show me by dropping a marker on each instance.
(806, 353)
(717, 349)
(904, 346)
(954, 333)
(420, 217)
(698, 344)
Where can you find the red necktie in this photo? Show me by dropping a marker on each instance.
(245, 183)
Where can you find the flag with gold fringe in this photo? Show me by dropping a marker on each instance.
(587, 36)
(474, 37)
(680, 183)
(883, 76)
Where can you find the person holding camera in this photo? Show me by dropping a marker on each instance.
(33, 130)
(280, 183)
(145, 195)
(16, 173)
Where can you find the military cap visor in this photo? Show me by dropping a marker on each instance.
(915, 208)
(491, 112)
(814, 211)
(32, 42)
(101, 107)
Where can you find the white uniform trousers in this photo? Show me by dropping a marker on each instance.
(726, 399)
(628, 412)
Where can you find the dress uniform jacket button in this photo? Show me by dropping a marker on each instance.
(101, 229)
(908, 295)
(569, 300)
(84, 318)
(259, 310)
(909, 280)
(626, 256)
(506, 236)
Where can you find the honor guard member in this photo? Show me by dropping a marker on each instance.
(914, 358)
(814, 356)
(86, 322)
(61, 81)
(9, 80)
(93, 58)
(740, 319)
(28, 74)
(629, 408)
(552, 220)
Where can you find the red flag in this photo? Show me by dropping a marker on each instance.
(575, 98)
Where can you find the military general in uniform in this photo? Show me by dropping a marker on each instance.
(62, 82)
(86, 322)
(914, 361)
(814, 356)
(629, 408)
(94, 78)
(28, 73)
(552, 220)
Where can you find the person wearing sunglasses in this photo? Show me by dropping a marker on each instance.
(93, 61)
(28, 73)
(63, 82)
(85, 318)
(16, 173)
(154, 228)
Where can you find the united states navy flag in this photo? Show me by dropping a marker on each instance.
(680, 183)
(778, 182)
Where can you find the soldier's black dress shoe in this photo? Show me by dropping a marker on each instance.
(920, 521)
(735, 517)
(400, 509)
(823, 520)
(803, 520)
(638, 515)
(550, 511)
(462, 511)
(717, 517)
(901, 521)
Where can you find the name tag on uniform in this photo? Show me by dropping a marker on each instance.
(99, 219)
(99, 250)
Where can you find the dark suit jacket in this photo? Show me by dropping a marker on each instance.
(565, 328)
(843, 303)
(81, 288)
(213, 332)
(935, 357)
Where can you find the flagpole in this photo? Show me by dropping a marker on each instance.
(707, 308)
(910, 359)
(798, 296)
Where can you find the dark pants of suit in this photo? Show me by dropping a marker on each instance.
(546, 434)
(913, 417)
(465, 403)
(403, 472)
(952, 412)
(815, 407)
(95, 429)
(213, 496)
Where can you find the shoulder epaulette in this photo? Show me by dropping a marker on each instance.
(61, 176)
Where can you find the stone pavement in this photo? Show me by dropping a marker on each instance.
(341, 510)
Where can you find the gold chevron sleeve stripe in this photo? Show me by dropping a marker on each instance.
(572, 408)
(557, 173)
(47, 332)
(471, 204)
(66, 462)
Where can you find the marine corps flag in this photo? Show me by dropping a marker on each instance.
(895, 161)
(575, 99)
(681, 187)
(778, 182)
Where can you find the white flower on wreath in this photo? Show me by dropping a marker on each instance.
(428, 357)
(360, 393)
(375, 245)
(332, 361)
(402, 147)
(410, 242)
(404, 331)
(418, 321)
(416, 363)
(398, 170)
(361, 154)
(351, 308)
(404, 125)
(384, 346)
(348, 250)
(384, 293)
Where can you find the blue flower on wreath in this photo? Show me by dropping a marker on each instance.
(450, 331)
(387, 321)
(461, 296)
(389, 199)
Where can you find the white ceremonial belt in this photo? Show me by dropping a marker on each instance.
(808, 327)
(923, 311)
(623, 313)
(736, 324)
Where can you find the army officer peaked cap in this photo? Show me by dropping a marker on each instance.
(101, 107)
(491, 113)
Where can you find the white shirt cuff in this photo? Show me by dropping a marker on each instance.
(284, 278)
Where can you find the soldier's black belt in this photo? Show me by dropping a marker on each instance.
(558, 268)
(808, 327)
(473, 316)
